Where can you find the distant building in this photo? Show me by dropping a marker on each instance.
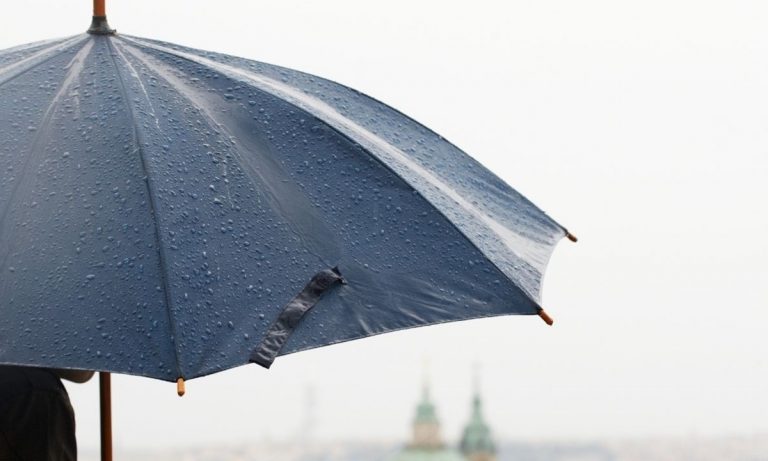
(476, 442)
(427, 443)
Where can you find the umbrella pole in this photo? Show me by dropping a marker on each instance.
(105, 400)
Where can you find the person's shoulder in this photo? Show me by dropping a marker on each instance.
(19, 379)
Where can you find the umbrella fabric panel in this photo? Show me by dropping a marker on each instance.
(80, 283)
(290, 196)
(514, 234)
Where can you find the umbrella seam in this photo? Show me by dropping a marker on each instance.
(34, 149)
(153, 211)
(181, 55)
(40, 44)
(214, 121)
(54, 53)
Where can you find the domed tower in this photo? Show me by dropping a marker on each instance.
(427, 444)
(426, 426)
(476, 442)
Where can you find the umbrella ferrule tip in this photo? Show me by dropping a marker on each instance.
(544, 316)
(180, 388)
(571, 237)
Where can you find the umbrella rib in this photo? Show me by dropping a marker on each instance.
(40, 44)
(35, 147)
(153, 210)
(52, 50)
(214, 120)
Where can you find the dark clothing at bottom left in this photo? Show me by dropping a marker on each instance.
(37, 422)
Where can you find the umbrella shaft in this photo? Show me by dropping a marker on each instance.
(99, 9)
(105, 399)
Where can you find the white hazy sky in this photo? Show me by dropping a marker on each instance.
(641, 126)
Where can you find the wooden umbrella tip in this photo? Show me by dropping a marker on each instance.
(544, 316)
(571, 237)
(180, 388)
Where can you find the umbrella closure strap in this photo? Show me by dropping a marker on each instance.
(291, 316)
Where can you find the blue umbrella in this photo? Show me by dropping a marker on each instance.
(170, 213)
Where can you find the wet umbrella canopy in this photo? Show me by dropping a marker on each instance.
(169, 212)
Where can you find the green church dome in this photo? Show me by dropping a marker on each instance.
(477, 434)
(427, 445)
(425, 410)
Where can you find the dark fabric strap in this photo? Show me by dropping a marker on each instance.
(292, 314)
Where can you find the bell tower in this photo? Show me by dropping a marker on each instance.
(476, 441)
(426, 426)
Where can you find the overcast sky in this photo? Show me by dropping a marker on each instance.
(640, 126)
